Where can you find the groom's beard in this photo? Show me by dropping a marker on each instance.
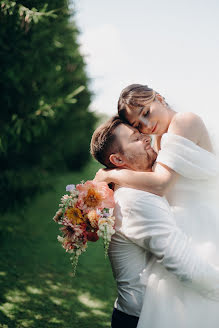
(141, 162)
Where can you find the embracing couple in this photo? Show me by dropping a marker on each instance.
(165, 252)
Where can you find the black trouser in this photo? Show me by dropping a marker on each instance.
(123, 320)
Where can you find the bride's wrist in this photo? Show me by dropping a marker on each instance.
(115, 176)
(110, 176)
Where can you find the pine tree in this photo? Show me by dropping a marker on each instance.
(45, 123)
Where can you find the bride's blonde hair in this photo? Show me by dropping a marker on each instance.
(133, 96)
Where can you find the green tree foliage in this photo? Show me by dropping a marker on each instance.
(45, 124)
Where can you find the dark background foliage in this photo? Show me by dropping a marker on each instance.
(45, 125)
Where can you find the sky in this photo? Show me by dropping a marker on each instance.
(170, 45)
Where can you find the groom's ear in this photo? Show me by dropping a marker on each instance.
(116, 160)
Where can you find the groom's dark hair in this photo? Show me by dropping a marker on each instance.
(104, 141)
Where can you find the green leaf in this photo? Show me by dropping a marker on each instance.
(70, 101)
(76, 92)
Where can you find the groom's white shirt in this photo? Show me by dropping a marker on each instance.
(146, 230)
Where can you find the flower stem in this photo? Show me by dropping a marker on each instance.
(74, 262)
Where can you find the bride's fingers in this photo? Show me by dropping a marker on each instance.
(100, 176)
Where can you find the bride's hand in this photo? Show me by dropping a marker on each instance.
(103, 175)
(110, 176)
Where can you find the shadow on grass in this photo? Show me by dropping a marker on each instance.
(49, 301)
(36, 285)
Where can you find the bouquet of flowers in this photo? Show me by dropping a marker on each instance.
(85, 214)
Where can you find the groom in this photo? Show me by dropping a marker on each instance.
(145, 228)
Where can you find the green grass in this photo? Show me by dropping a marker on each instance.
(36, 284)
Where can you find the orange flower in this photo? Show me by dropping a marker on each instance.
(94, 195)
(74, 215)
(93, 218)
(93, 198)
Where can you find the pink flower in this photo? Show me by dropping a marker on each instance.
(58, 215)
(74, 234)
(94, 195)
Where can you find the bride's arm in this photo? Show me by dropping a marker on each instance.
(157, 182)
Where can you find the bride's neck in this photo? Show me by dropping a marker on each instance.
(171, 114)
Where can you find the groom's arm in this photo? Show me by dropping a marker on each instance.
(151, 225)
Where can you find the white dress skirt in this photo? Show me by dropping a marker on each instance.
(194, 200)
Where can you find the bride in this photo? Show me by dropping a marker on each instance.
(186, 173)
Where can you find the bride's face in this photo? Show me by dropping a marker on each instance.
(153, 118)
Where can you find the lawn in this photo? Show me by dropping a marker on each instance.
(36, 285)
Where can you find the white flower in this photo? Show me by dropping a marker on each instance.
(101, 227)
(65, 198)
(60, 239)
(112, 220)
(99, 233)
(78, 252)
(75, 193)
(73, 201)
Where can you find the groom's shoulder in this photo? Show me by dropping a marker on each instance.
(123, 192)
(128, 196)
(141, 204)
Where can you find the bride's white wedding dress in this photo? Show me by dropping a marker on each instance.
(168, 302)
